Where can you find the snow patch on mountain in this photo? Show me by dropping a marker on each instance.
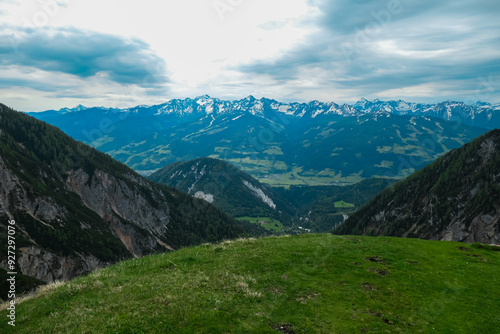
(197, 175)
(285, 109)
(213, 120)
(175, 174)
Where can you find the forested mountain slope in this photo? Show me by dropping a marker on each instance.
(455, 198)
(77, 209)
(233, 191)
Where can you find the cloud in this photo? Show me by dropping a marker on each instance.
(57, 67)
(32, 89)
(379, 46)
(83, 54)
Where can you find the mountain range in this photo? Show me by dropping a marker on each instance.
(457, 198)
(281, 144)
(77, 209)
(481, 114)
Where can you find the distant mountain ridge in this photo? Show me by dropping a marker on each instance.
(477, 114)
(277, 143)
(456, 198)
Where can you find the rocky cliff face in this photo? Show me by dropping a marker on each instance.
(138, 224)
(48, 267)
(457, 198)
(117, 202)
(14, 197)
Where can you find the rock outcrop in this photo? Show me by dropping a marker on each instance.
(48, 267)
(115, 202)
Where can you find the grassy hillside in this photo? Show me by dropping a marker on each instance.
(299, 284)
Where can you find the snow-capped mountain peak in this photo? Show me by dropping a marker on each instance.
(74, 109)
(268, 108)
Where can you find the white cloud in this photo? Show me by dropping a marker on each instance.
(197, 46)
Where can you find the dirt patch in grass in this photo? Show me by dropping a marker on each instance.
(376, 259)
(276, 291)
(379, 271)
(491, 247)
(310, 295)
(283, 328)
(368, 286)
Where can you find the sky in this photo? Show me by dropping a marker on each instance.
(123, 53)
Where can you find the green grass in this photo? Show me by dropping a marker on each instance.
(276, 150)
(308, 283)
(272, 224)
(282, 180)
(342, 204)
(306, 178)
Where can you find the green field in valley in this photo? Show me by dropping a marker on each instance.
(266, 222)
(342, 204)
